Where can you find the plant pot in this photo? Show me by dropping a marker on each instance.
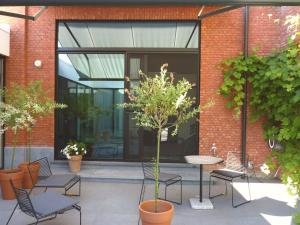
(163, 216)
(16, 175)
(75, 163)
(30, 178)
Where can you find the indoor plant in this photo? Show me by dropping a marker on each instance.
(74, 152)
(158, 103)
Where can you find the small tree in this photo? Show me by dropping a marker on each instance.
(158, 103)
(14, 119)
(32, 102)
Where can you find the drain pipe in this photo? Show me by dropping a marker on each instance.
(245, 88)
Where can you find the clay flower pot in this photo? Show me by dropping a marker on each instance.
(30, 178)
(163, 216)
(16, 175)
(75, 163)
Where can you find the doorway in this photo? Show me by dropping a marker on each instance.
(140, 144)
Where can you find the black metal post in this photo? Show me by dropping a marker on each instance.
(245, 103)
(200, 184)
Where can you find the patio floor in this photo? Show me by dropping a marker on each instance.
(112, 202)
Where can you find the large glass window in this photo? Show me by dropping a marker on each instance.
(93, 115)
(93, 59)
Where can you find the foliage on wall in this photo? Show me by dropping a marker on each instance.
(274, 96)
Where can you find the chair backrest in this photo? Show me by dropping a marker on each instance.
(45, 170)
(24, 201)
(234, 162)
(148, 170)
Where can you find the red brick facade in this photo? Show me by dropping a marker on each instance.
(221, 37)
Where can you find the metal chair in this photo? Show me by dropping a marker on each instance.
(165, 178)
(233, 169)
(47, 179)
(44, 206)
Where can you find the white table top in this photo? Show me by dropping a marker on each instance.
(202, 159)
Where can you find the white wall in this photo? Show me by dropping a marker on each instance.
(4, 39)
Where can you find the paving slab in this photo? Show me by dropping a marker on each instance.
(109, 202)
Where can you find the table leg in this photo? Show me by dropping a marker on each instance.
(200, 184)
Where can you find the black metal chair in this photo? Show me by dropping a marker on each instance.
(165, 178)
(44, 206)
(233, 169)
(47, 179)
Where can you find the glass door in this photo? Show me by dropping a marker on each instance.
(134, 148)
(141, 143)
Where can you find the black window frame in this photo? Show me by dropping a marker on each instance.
(126, 51)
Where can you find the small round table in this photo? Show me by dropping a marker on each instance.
(200, 203)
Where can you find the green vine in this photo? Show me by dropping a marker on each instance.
(274, 82)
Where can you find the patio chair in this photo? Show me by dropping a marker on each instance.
(233, 169)
(165, 178)
(46, 205)
(47, 179)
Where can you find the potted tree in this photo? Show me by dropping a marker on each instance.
(33, 99)
(14, 119)
(74, 152)
(159, 103)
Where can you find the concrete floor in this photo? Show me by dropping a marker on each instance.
(115, 203)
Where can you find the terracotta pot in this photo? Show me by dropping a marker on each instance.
(75, 163)
(30, 178)
(163, 216)
(16, 175)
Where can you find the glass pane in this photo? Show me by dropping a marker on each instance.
(93, 115)
(127, 34)
(182, 65)
(92, 66)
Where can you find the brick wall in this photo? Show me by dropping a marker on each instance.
(222, 37)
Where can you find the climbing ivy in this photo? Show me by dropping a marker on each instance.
(274, 87)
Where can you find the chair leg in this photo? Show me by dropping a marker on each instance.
(43, 220)
(166, 190)
(78, 208)
(242, 203)
(11, 215)
(248, 187)
(217, 195)
(209, 183)
(79, 191)
(181, 192)
(142, 192)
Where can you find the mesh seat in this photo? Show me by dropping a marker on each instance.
(44, 206)
(164, 178)
(57, 180)
(233, 169)
(225, 173)
(47, 179)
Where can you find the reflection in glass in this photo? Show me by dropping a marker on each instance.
(93, 115)
(186, 141)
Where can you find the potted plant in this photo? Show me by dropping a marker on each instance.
(159, 103)
(74, 152)
(14, 119)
